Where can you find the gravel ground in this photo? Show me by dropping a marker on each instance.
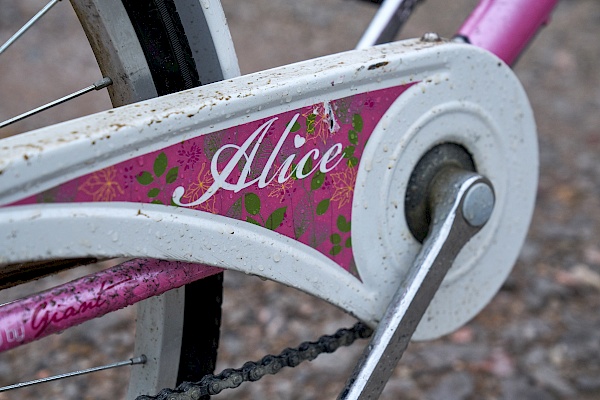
(538, 339)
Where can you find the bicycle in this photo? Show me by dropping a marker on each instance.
(155, 171)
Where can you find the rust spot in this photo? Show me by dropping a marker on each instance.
(378, 65)
(117, 126)
(26, 157)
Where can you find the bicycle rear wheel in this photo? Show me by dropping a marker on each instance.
(153, 48)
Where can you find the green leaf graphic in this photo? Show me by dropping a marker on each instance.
(157, 202)
(252, 203)
(348, 243)
(353, 136)
(335, 250)
(342, 224)
(357, 122)
(160, 164)
(335, 238)
(349, 151)
(352, 162)
(310, 123)
(307, 166)
(275, 219)
(172, 175)
(145, 178)
(296, 127)
(317, 180)
(153, 192)
(323, 206)
(253, 221)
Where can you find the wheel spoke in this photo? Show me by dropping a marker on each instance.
(28, 25)
(101, 84)
(131, 361)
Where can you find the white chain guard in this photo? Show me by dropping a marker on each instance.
(451, 93)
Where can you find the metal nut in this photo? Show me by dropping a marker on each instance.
(430, 37)
(478, 204)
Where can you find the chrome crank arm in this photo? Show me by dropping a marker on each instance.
(461, 204)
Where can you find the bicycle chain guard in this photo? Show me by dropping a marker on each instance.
(298, 174)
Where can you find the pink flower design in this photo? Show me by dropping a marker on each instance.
(321, 122)
(203, 182)
(190, 156)
(343, 183)
(128, 176)
(102, 185)
(281, 190)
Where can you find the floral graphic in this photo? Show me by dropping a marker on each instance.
(203, 182)
(102, 185)
(152, 178)
(128, 176)
(281, 190)
(343, 183)
(321, 122)
(189, 157)
(336, 239)
(369, 103)
(253, 207)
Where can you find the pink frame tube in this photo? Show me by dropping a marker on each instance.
(38, 315)
(504, 27)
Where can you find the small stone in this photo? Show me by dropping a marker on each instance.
(520, 388)
(454, 386)
(588, 383)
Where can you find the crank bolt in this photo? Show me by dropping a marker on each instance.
(430, 37)
(478, 204)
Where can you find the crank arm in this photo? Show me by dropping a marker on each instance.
(461, 203)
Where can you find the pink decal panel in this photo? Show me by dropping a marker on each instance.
(293, 173)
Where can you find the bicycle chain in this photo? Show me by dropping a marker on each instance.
(252, 371)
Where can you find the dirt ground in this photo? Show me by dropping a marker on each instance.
(540, 336)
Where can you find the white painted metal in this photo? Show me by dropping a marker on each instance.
(148, 230)
(463, 95)
(484, 109)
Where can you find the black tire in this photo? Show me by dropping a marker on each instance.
(172, 67)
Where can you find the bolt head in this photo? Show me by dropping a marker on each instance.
(478, 204)
(430, 37)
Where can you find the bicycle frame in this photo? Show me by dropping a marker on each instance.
(506, 27)
(115, 136)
